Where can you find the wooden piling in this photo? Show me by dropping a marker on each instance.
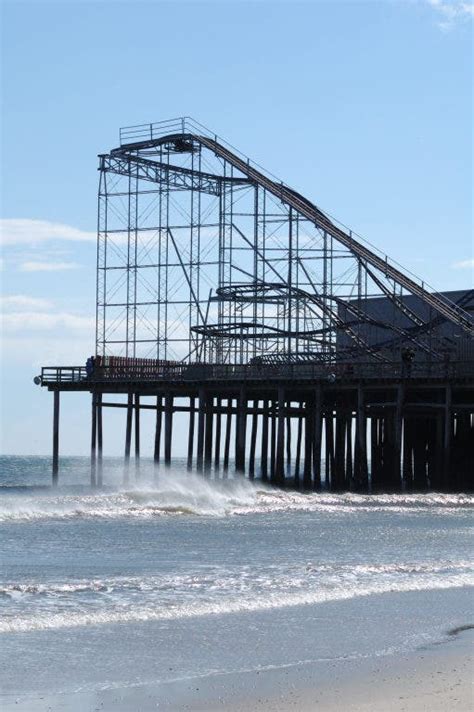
(361, 470)
(137, 435)
(168, 427)
(397, 445)
(241, 431)
(339, 480)
(299, 437)
(280, 462)
(93, 440)
(264, 443)
(100, 468)
(209, 433)
(289, 462)
(56, 395)
(329, 447)
(158, 422)
(253, 440)
(407, 467)
(273, 438)
(308, 445)
(128, 438)
(217, 444)
(317, 437)
(349, 452)
(448, 431)
(192, 408)
(201, 429)
(228, 432)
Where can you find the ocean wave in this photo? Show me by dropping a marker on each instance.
(46, 620)
(231, 581)
(176, 494)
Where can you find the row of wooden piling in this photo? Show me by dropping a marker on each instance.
(341, 442)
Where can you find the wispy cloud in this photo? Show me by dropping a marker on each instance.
(41, 321)
(464, 264)
(451, 12)
(23, 301)
(21, 231)
(33, 266)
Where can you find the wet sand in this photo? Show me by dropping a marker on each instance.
(435, 679)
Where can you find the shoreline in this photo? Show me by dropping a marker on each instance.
(433, 678)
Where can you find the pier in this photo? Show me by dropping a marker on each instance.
(300, 355)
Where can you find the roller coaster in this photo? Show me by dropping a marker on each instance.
(205, 256)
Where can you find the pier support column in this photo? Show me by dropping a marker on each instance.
(100, 469)
(448, 432)
(55, 437)
(209, 433)
(137, 435)
(228, 431)
(408, 453)
(201, 429)
(253, 440)
(280, 456)
(361, 470)
(264, 443)
(192, 409)
(94, 440)
(308, 445)
(299, 438)
(339, 480)
(158, 422)
(317, 437)
(128, 438)
(217, 439)
(273, 438)
(241, 432)
(397, 445)
(420, 470)
(349, 452)
(376, 455)
(288, 470)
(168, 427)
(329, 437)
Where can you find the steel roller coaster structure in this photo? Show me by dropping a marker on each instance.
(203, 256)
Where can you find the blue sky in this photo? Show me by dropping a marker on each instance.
(365, 107)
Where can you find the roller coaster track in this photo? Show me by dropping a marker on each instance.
(448, 310)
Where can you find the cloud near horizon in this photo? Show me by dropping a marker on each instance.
(25, 231)
(22, 313)
(40, 321)
(23, 301)
(34, 266)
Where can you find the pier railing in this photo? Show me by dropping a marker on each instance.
(255, 372)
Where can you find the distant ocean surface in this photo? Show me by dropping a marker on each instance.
(170, 570)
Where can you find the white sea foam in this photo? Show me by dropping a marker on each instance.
(272, 600)
(175, 494)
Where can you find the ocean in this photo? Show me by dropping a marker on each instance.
(177, 577)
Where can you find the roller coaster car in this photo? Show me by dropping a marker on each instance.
(180, 145)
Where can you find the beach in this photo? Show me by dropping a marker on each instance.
(197, 595)
(433, 677)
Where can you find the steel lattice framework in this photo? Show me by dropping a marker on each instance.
(205, 257)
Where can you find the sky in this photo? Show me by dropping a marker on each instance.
(364, 107)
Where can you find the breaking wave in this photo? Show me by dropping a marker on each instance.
(225, 604)
(178, 494)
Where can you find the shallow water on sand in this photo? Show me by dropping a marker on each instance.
(180, 564)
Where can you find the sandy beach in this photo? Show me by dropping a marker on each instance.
(438, 678)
